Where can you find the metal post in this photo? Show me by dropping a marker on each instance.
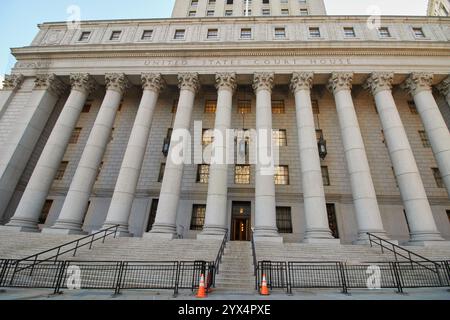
(394, 266)
(76, 247)
(342, 270)
(60, 276)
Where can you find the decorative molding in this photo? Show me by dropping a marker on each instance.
(444, 87)
(263, 81)
(226, 81)
(302, 81)
(83, 82)
(153, 82)
(418, 82)
(340, 81)
(51, 83)
(379, 81)
(188, 81)
(117, 82)
(13, 82)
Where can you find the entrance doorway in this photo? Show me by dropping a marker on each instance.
(241, 221)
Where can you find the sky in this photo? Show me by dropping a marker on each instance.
(19, 18)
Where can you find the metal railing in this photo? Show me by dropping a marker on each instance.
(404, 253)
(345, 276)
(255, 261)
(109, 275)
(220, 253)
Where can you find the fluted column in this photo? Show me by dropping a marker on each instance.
(76, 202)
(364, 196)
(265, 202)
(166, 215)
(317, 226)
(11, 84)
(444, 89)
(216, 207)
(420, 218)
(17, 150)
(419, 86)
(29, 210)
(125, 191)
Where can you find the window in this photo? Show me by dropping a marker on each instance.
(210, 106)
(115, 35)
(45, 211)
(61, 170)
(162, 169)
(281, 175)
(315, 107)
(228, 13)
(242, 174)
(179, 34)
(279, 137)
(349, 32)
(278, 107)
(203, 173)
(86, 108)
(448, 214)
(198, 217)
(438, 177)
(266, 12)
(314, 32)
(147, 35)
(75, 136)
(246, 33)
(229, 1)
(211, 2)
(244, 106)
(325, 176)
(85, 36)
(280, 33)
(212, 34)
(418, 33)
(304, 12)
(284, 12)
(384, 32)
(412, 107)
(332, 220)
(284, 220)
(194, 3)
(424, 139)
(210, 13)
(152, 215)
(192, 13)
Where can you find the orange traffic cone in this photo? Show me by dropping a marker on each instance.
(264, 287)
(201, 289)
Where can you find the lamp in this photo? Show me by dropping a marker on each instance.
(322, 144)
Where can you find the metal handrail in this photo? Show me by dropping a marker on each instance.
(255, 261)
(221, 252)
(59, 249)
(396, 248)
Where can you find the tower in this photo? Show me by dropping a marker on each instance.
(239, 8)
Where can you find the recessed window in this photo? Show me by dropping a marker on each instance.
(278, 107)
(266, 12)
(228, 13)
(315, 106)
(304, 12)
(349, 32)
(75, 136)
(242, 174)
(229, 2)
(198, 217)
(86, 108)
(244, 106)
(280, 33)
(418, 33)
(211, 2)
(279, 137)
(265, 1)
(162, 169)
(314, 32)
(325, 176)
(384, 32)
(192, 13)
(179, 34)
(424, 138)
(284, 220)
(85, 36)
(147, 35)
(210, 106)
(115, 35)
(438, 177)
(284, 12)
(281, 175)
(448, 214)
(210, 13)
(246, 33)
(61, 170)
(45, 211)
(203, 173)
(213, 34)
(194, 3)
(332, 220)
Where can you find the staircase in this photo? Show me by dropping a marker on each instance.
(236, 270)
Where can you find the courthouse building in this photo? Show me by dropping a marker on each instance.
(359, 111)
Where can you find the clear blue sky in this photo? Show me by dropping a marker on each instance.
(19, 18)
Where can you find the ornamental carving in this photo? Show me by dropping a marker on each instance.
(51, 83)
(418, 82)
(83, 82)
(379, 81)
(117, 82)
(340, 81)
(444, 87)
(226, 80)
(153, 81)
(302, 81)
(188, 81)
(263, 81)
(13, 82)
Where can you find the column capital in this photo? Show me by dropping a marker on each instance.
(153, 82)
(51, 83)
(117, 82)
(418, 82)
(379, 81)
(340, 81)
(13, 82)
(444, 87)
(83, 82)
(301, 81)
(263, 81)
(189, 81)
(226, 81)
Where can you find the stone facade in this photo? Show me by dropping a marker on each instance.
(439, 8)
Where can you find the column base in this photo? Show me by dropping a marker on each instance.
(65, 227)
(322, 240)
(363, 237)
(65, 232)
(212, 233)
(19, 229)
(162, 231)
(265, 234)
(319, 236)
(22, 225)
(425, 239)
(122, 230)
(439, 243)
(159, 236)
